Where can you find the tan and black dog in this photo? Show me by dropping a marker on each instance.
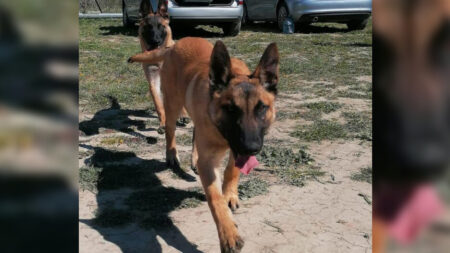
(232, 109)
(411, 95)
(155, 32)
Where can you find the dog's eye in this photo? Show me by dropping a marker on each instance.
(261, 109)
(230, 108)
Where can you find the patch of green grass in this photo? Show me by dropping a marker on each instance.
(279, 157)
(282, 115)
(332, 54)
(351, 93)
(364, 175)
(253, 187)
(312, 115)
(88, 178)
(184, 139)
(324, 106)
(359, 125)
(316, 109)
(293, 168)
(190, 203)
(320, 130)
(112, 217)
(110, 141)
(104, 49)
(299, 176)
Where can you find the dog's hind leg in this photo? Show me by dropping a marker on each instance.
(230, 184)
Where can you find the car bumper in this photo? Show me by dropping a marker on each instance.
(206, 14)
(340, 9)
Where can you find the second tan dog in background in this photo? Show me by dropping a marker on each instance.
(155, 32)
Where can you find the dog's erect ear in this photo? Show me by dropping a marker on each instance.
(163, 9)
(145, 8)
(220, 67)
(267, 69)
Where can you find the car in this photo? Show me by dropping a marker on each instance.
(354, 13)
(226, 14)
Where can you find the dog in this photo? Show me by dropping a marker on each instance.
(155, 32)
(232, 109)
(411, 106)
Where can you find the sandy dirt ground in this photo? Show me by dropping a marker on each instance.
(326, 215)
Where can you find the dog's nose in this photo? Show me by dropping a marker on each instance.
(251, 148)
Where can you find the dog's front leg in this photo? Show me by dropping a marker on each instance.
(230, 184)
(230, 241)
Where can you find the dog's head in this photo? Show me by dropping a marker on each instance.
(154, 25)
(242, 103)
(411, 91)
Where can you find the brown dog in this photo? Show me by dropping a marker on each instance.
(411, 108)
(231, 107)
(155, 32)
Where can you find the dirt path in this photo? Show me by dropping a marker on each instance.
(327, 215)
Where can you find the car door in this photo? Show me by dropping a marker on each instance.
(133, 8)
(261, 9)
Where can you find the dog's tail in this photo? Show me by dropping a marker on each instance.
(152, 57)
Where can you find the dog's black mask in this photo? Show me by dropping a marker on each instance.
(153, 32)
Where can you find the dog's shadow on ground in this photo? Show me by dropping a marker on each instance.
(135, 216)
(117, 119)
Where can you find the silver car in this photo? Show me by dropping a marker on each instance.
(226, 14)
(354, 13)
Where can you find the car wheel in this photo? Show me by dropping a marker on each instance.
(232, 29)
(282, 14)
(125, 19)
(357, 24)
(245, 20)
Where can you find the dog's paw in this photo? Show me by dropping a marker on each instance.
(232, 200)
(130, 60)
(185, 120)
(161, 130)
(230, 241)
(194, 169)
(172, 161)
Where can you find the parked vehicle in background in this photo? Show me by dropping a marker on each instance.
(354, 13)
(226, 14)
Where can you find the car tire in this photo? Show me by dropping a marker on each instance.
(232, 29)
(245, 20)
(125, 19)
(357, 24)
(282, 14)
